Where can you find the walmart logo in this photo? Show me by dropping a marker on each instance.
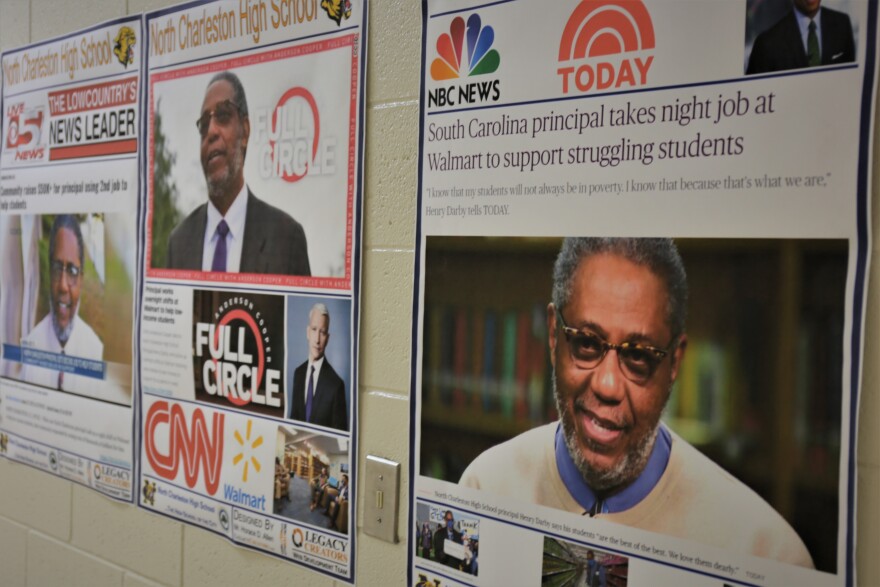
(481, 57)
(246, 454)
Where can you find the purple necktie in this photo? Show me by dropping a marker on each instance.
(309, 393)
(219, 263)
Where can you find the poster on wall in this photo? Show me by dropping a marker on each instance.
(68, 224)
(254, 127)
(641, 265)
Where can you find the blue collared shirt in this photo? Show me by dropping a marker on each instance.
(630, 495)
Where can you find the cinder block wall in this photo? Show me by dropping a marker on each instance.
(53, 532)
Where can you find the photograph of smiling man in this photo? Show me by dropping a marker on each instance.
(660, 406)
(78, 274)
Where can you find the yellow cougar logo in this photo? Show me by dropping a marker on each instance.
(337, 9)
(123, 50)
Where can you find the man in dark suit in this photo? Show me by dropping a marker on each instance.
(807, 36)
(318, 392)
(234, 231)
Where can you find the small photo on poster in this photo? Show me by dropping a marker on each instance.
(66, 296)
(783, 35)
(448, 537)
(251, 167)
(311, 483)
(602, 376)
(319, 361)
(567, 563)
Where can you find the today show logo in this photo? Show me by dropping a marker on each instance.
(604, 46)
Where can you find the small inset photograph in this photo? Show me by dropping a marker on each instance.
(448, 537)
(311, 483)
(66, 298)
(782, 35)
(319, 362)
(567, 564)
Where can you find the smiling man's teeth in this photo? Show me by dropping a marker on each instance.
(601, 425)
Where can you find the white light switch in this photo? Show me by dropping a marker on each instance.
(382, 499)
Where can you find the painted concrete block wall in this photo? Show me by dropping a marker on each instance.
(53, 532)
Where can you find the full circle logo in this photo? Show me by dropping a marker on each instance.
(291, 145)
(596, 43)
(297, 538)
(234, 349)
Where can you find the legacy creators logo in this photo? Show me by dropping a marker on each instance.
(595, 51)
(451, 64)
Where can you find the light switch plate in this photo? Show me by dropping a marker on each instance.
(381, 498)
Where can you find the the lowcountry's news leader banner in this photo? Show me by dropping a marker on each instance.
(676, 387)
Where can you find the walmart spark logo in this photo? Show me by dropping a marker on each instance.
(482, 58)
(453, 64)
(596, 41)
(246, 447)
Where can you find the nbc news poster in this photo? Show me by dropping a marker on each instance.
(253, 120)
(640, 273)
(68, 224)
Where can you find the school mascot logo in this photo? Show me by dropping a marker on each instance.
(337, 10)
(605, 45)
(123, 46)
(149, 492)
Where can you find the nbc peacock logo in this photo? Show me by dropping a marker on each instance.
(604, 46)
(464, 52)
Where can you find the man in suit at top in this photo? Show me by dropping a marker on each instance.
(807, 36)
(318, 393)
(234, 231)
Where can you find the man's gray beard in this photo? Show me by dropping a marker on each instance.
(63, 334)
(220, 187)
(624, 472)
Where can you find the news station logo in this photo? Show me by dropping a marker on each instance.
(238, 350)
(24, 132)
(172, 438)
(605, 45)
(123, 46)
(452, 64)
(289, 140)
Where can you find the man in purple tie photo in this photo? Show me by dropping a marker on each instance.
(234, 231)
(318, 393)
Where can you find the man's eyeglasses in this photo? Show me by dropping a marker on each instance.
(58, 268)
(587, 349)
(222, 113)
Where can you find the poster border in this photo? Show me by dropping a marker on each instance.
(862, 242)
